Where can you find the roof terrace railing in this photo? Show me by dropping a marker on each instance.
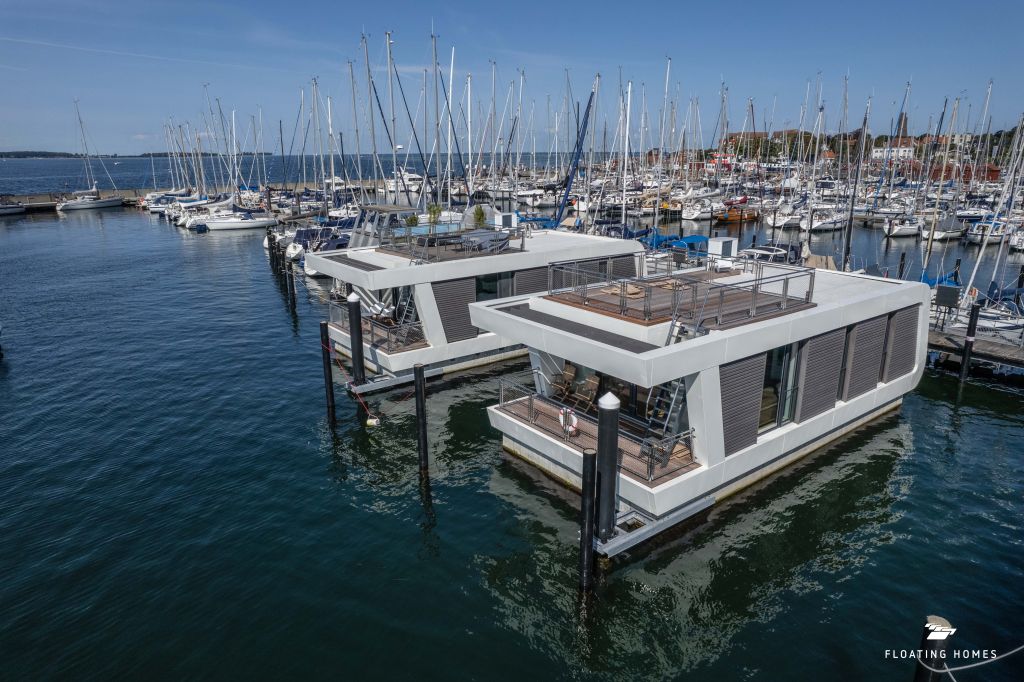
(775, 287)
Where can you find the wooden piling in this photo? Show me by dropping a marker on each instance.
(903, 266)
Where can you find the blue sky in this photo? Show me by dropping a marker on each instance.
(134, 64)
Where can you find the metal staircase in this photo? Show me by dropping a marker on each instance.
(662, 403)
(405, 309)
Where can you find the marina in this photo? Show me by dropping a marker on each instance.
(311, 522)
(382, 363)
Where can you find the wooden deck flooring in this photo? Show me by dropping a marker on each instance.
(700, 302)
(632, 463)
(952, 342)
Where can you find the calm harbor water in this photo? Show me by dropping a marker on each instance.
(174, 506)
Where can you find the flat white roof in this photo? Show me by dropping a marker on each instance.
(839, 299)
(381, 269)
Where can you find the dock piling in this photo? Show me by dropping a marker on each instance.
(903, 266)
(589, 491)
(421, 417)
(1020, 285)
(932, 650)
(355, 335)
(972, 328)
(607, 464)
(325, 356)
(289, 276)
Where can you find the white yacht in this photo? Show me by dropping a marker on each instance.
(415, 284)
(723, 375)
(89, 199)
(241, 221)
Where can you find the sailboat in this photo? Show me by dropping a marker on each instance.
(89, 198)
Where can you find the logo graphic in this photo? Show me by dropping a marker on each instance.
(939, 631)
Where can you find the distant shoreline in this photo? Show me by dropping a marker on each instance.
(70, 155)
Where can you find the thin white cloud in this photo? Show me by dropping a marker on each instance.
(138, 55)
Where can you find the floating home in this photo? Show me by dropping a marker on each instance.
(724, 374)
(415, 284)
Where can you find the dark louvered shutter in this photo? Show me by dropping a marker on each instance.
(623, 266)
(864, 356)
(742, 383)
(531, 281)
(901, 351)
(821, 366)
(453, 298)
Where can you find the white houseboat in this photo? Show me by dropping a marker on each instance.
(415, 283)
(724, 375)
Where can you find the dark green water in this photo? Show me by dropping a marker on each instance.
(173, 506)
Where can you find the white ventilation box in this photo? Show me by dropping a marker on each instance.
(723, 247)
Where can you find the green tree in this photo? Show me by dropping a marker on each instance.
(479, 217)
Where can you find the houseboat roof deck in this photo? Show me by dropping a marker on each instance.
(472, 244)
(705, 299)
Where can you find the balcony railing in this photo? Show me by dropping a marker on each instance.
(691, 297)
(649, 459)
(390, 338)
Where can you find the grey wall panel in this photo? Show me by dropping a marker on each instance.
(531, 281)
(901, 345)
(866, 345)
(453, 298)
(821, 367)
(742, 383)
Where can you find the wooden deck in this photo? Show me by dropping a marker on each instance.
(992, 350)
(700, 301)
(631, 464)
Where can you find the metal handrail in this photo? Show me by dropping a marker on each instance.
(391, 338)
(653, 452)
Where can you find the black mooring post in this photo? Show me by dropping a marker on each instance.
(589, 491)
(903, 265)
(271, 247)
(933, 646)
(607, 464)
(972, 328)
(291, 285)
(325, 355)
(753, 240)
(421, 416)
(355, 335)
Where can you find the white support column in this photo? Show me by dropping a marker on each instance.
(704, 410)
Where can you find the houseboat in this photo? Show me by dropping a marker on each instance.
(723, 374)
(415, 283)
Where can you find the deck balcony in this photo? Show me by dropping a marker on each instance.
(756, 291)
(384, 335)
(647, 459)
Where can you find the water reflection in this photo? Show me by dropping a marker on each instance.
(679, 604)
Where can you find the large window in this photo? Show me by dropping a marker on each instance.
(492, 286)
(778, 395)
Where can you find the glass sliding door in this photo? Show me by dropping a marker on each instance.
(778, 395)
